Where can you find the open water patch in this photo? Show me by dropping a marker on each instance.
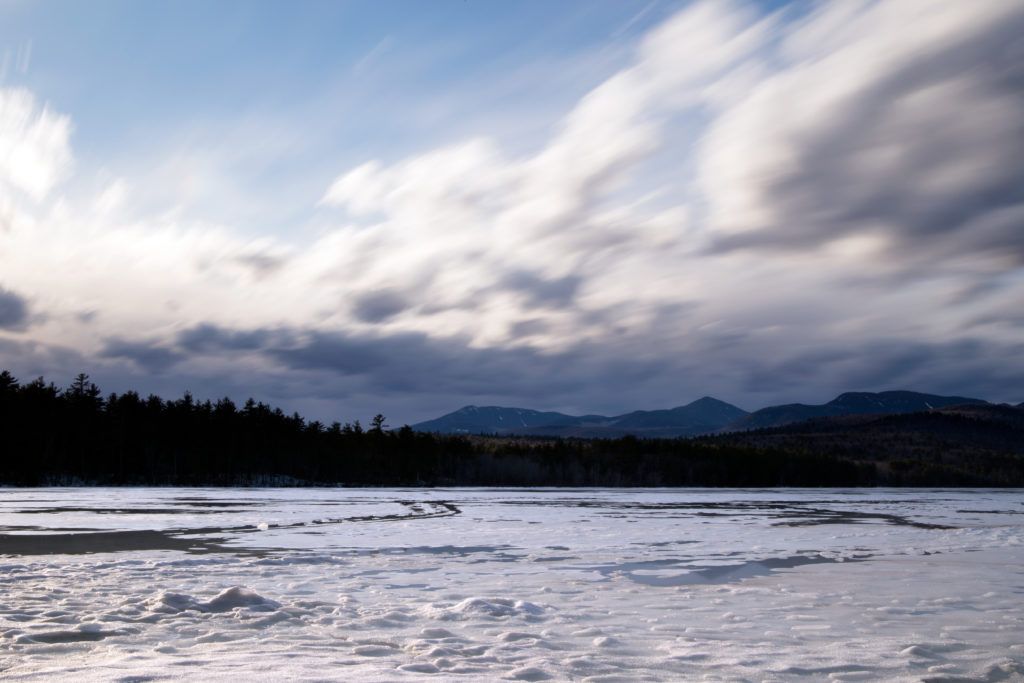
(194, 540)
(108, 542)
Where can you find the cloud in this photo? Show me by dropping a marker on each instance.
(468, 228)
(765, 208)
(539, 291)
(898, 120)
(262, 263)
(13, 310)
(210, 337)
(34, 145)
(149, 356)
(377, 306)
(441, 366)
(528, 328)
(347, 371)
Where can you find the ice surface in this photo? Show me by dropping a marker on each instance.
(528, 585)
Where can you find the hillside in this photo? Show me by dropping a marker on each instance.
(493, 420)
(699, 417)
(850, 403)
(962, 444)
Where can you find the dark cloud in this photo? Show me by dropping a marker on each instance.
(347, 355)
(414, 363)
(411, 377)
(13, 310)
(420, 370)
(772, 369)
(379, 305)
(527, 328)
(417, 363)
(602, 378)
(966, 367)
(207, 337)
(149, 356)
(896, 364)
(540, 291)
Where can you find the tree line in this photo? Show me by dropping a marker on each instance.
(75, 435)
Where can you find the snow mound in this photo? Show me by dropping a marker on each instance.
(225, 601)
(494, 608)
(606, 641)
(529, 673)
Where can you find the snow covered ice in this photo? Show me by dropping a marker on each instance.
(476, 584)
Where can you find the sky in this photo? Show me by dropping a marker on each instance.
(591, 206)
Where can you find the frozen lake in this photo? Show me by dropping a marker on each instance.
(141, 584)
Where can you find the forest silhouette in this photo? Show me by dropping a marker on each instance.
(75, 436)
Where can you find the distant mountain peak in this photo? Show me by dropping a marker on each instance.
(711, 401)
(488, 420)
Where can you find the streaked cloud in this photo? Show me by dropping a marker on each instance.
(891, 122)
(760, 206)
(34, 145)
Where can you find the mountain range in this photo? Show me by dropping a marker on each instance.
(699, 417)
(703, 416)
(850, 403)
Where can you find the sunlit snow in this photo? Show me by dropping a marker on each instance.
(476, 584)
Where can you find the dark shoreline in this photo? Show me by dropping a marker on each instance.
(54, 437)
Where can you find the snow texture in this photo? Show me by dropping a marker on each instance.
(522, 585)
